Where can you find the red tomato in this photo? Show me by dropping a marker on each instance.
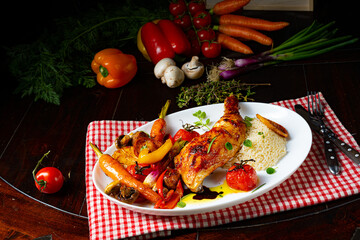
(202, 19)
(139, 171)
(195, 47)
(241, 177)
(51, 177)
(206, 34)
(177, 8)
(185, 135)
(183, 21)
(196, 6)
(211, 49)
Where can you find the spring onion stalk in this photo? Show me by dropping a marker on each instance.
(312, 41)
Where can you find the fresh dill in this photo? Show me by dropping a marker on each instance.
(61, 58)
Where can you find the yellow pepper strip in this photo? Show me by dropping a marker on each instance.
(156, 155)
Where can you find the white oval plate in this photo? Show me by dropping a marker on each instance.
(298, 147)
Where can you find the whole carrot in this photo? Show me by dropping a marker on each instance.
(254, 23)
(244, 32)
(159, 127)
(228, 6)
(117, 172)
(233, 44)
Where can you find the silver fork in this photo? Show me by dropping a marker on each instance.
(316, 111)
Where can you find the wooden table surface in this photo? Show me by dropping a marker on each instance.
(30, 128)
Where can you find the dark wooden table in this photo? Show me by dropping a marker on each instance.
(29, 129)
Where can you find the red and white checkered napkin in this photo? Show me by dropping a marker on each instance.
(310, 184)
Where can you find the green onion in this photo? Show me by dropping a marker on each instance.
(312, 41)
(258, 187)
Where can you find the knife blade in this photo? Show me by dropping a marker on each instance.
(349, 151)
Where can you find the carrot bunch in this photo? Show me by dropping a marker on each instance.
(234, 28)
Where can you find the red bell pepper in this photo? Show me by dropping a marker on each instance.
(176, 36)
(156, 44)
(172, 198)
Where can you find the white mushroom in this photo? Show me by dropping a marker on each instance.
(161, 66)
(173, 77)
(193, 69)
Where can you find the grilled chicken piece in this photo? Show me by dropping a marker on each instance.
(195, 163)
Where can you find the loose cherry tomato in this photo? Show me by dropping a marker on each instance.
(185, 135)
(211, 49)
(139, 171)
(202, 19)
(241, 176)
(184, 21)
(49, 180)
(196, 6)
(177, 7)
(206, 34)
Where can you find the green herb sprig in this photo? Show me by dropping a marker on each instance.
(203, 120)
(215, 92)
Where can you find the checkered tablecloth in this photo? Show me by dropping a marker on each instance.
(310, 184)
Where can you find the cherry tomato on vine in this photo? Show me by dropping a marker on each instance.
(206, 34)
(202, 19)
(195, 47)
(184, 21)
(48, 179)
(185, 135)
(177, 7)
(211, 49)
(241, 176)
(196, 6)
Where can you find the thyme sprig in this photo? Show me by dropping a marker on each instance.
(215, 92)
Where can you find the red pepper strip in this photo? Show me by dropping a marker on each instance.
(171, 202)
(176, 37)
(156, 44)
(160, 184)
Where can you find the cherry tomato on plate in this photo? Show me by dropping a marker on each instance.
(177, 7)
(241, 176)
(139, 171)
(196, 6)
(206, 34)
(202, 19)
(211, 49)
(186, 135)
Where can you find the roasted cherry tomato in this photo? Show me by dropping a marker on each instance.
(139, 171)
(206, 34)
(196, 6)
(48, 179)
(185, 135)
(211, 49)
(202, 19)
(183, 21)
(241, 176)
(177, 7)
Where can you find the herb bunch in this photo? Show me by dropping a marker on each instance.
(61, 58)
(214, 92)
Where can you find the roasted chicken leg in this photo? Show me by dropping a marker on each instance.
(200, 157)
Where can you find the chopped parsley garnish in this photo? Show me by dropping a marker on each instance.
(247, 121)
(270, 170)
(247, 143)
(228, 146)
